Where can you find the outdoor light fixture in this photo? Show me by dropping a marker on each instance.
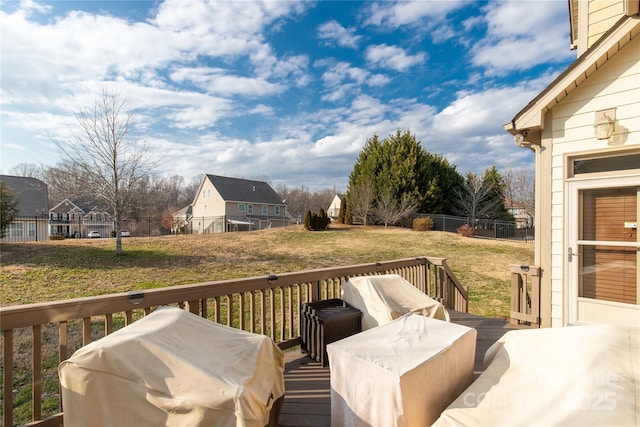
(604, 124)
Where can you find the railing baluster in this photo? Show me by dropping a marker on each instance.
(216, 304)
(241, 307)
(128, 317)
(7, 380)
(204, 312)
(229, 310)
(63, 345)
(290, 311)
(252, 312)
(108, 324)
(272, 320)
(36, 392)
(86, 330)
(263, 313)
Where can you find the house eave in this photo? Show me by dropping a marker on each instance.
(531, 118)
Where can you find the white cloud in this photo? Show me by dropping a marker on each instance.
(332, 32)
(216, 81)
(523, 34)
(397, 13)
(393, 57)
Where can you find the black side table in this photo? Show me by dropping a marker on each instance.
(326, 321)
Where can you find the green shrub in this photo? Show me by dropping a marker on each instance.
(423, 224)
(307, 220)
(467, 230)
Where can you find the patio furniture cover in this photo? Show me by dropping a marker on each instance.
(386, 297)
(173, 368)
(403, 373)
(575, 376)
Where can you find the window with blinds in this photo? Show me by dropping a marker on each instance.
(609, 272)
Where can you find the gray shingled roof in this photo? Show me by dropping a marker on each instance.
(31, 193)
(244, 190)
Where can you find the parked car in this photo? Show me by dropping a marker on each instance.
(93, 235)
(124, 233)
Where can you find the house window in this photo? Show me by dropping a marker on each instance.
(277, 210)
(265, 210)
(31, 230)
(606, 164)
(16, 229)
(250, 209)
(241, 207)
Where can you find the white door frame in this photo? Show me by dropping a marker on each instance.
(572, 225)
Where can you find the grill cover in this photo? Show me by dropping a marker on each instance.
(173, 368)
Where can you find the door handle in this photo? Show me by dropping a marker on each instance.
(571, 254)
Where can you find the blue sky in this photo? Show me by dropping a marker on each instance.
(286, 91)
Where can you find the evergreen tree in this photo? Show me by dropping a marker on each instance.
(343, 210)
(497, 194)
(307, 220)
(348, 219)
(401, 165)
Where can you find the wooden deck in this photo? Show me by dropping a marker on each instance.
(308, 393)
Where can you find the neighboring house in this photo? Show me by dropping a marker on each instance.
(520, 214)
(233, 204)
(585, 131)
(182, 220)
(334, 208)
(77, 218)
(31, 223)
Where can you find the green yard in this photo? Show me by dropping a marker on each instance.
(46, 271)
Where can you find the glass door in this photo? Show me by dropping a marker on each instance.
(602, 256)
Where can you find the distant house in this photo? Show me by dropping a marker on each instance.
(584, 129)
(182, 220)
(31, 224)
(334, 208)
(520, 214)
(77, 218)
(232, 204)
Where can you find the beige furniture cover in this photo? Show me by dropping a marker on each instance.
(384, 298)
(572, 376)
(173, 368)
(403, 373)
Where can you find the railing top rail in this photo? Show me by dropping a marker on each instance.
(531, 270)
(13, 317)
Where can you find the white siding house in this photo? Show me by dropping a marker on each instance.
(234, 204)
(588, 183)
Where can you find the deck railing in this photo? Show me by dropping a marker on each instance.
(266, 305)
(525, 294)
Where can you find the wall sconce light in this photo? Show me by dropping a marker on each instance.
(519, 138)
(605, 123)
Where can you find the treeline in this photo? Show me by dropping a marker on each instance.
(150, 197)
(392, 179)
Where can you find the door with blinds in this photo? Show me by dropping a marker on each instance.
(602, 257)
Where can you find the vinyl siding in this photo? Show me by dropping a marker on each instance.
(615, 85)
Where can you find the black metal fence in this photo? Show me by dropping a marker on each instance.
(38, 229)
(511, 230)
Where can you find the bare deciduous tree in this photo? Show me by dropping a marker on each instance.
(390, 211)
(30, 170)
(520, 188)
(100, 149)
(475, 199)
(361, 197)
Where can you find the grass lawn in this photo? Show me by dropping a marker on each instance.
(54, 270)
